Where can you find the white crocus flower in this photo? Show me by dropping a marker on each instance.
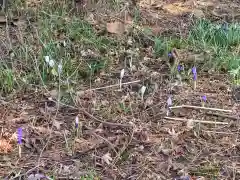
(169, 103)
(121, 77)
(122, 74)
(76, 121)
(51, 63)
(143, 89)
(47, 59)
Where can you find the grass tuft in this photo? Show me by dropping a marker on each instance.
(221, 42)
(64, 37)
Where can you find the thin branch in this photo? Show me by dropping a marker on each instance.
(94, 118)
(218, 132)
(104, 122)
(196, 121)
(222, 115)
(114, 85)
(200, 107)
(107, 141)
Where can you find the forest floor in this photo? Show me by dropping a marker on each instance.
(106, 90)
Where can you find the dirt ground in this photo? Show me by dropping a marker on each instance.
(121, 135)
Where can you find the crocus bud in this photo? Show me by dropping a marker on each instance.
(194, 70)
(204, 99)
(169, 101)
(51, 63)
(121, 73)
(76, 122)
(19, 136)
(179, 68)
(143, 89)
(47, 59)
(121, 76)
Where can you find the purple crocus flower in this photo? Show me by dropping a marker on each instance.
(169, 54)
(194, 71)
(19, 136)
(194, 77)
(204, 98)
(180, 68)
(76, 122)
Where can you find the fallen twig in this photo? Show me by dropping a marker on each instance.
(96, 119)
(218, 132)
(222, 115)
(104, 122)
(107, 141)
(114, 85)
(100, 146)
(200, 107)
(197, 121)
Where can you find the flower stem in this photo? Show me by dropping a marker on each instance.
(19, 150)
(194, 84)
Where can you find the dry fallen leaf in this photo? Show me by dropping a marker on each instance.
(116, 27)
(173, 133)
(14, 137)
(91, 19)
(57, 124)
(198, 13)
(176, 9)
(148, 102)
(149, 3)
(107, 158)
(190, 124)
(82, 145)
(54, 93)
(44, 131)
(5, 146)
(20, 23)
(205, 3)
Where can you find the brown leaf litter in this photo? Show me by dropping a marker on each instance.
(148, 143)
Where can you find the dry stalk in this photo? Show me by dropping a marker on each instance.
(200, 107)
(196, 121)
